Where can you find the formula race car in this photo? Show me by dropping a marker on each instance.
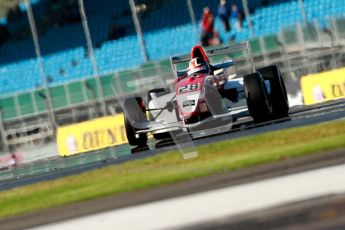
(206, 98)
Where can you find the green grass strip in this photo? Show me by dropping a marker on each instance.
(222, 157)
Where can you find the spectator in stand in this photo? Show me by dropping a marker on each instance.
(223, 14)
(240, 17)
(234, 16)
(208, 35)
(234, 11)
(207, 25)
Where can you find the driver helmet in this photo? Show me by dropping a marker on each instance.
(198, 66)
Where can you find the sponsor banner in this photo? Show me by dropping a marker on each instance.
(324, 86)
(91, 135)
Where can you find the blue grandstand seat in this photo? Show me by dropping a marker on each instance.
(66, 60)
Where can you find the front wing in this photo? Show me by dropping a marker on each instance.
(209, 126)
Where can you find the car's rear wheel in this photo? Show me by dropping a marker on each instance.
(278, 95)
(134, 113)
(258, 100)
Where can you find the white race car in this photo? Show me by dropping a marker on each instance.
(206, 98)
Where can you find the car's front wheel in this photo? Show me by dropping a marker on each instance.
(134, 114)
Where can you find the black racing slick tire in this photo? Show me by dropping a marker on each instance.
(134, 113)
(278, 95)
(258, 100)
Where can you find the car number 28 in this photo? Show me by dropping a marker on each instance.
(187, 88)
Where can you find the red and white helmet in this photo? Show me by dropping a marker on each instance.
(197, 66)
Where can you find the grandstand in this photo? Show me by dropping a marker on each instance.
(279, 30)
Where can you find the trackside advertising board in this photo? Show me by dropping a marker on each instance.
(91, 135)
(324, 86)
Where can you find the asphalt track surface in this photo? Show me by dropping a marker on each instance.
(298, 117)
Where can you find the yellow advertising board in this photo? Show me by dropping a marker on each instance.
(324, 86)
(91, 135)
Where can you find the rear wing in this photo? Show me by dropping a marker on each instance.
(213, 52)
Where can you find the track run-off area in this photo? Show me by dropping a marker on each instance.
(56, 167)
(192, 211)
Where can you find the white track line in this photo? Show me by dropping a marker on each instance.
(212, 205)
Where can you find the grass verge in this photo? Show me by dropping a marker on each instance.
(168, 168)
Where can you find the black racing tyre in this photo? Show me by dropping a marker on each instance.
(133, 112)
(278, 95)
(258, 100)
